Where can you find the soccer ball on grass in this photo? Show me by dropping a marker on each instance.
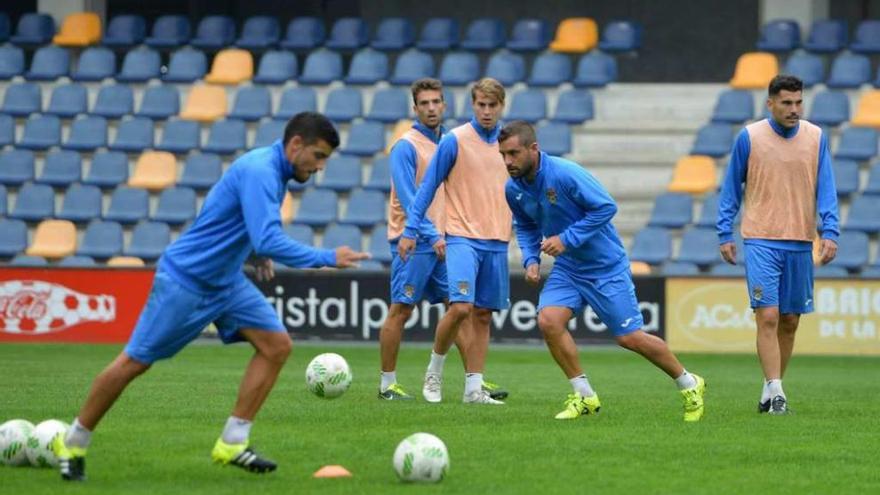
(13, 439)
(328, 375)
(39, 444)
(421, 457)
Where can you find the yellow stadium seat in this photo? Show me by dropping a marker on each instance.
(205, 104)
(53, 239)
(125, 261)
(575, 35)
(868, 111)
(401, 127)
(231, 66)
(755, 70)
(79, 29)
(639, 268)
(155, 170)
(287, 209)
(694, 174)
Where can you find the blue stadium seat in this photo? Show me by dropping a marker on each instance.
(295, 186)
(368, 66)
(186, 65)
(857, 143)
(11, 62)
(77, 262)
(595, 69)
(365, 208)
(394, 34)
(554, 138)
(34, 203)
(81, 203)
(867, 37)
(830, 271)
(863, 214)
(699, 246)
(807, 67)
(159, 102)
(484, 34)
(365, 139)
(95, 64)
(114, 101)
(302, 234)
(33, 29)
(13, 237)
(827, 36)
(621, 36)
(343, 104)
(652, 245)
(5, 27)
(214, 32)
(550, 69)
(317, 207)
(22, 99)
(251, 103)
(829, 108)
(27, 260)
(852, 250)
(87, 133)
(380, 175)
(68, 100)
(321, 67)
(779, 36)
(304, 33)
(337, 235)
(873, 186)
(342, 173)
(734, 107)
(459, 68)
(7, 130)
(439, 34)
(61, 168)
(201, 171)
(529, 35)
(871, 272)
(846, 176)
(3, 201)
(348, 33)
(709, 211)
(176, 206)
(41, 132)
(109, 169)
(849, 71)
(226, 137)
(101, 240)
(714, 140)
(49, 63)
(148, 240)
(296, 100)
(259, 33)
(170, 31)
(679, 269)
(449, 99)
(133, 135)
(412, 65)
(389, 105)
(380, 248)
(140, 66)
(180, 136)
(125, 31)
(727, 270)
(276, 67)
(371, 266)
(128, 205)
(529, 105)
(508, 68)
(672, 210)
(268, 132)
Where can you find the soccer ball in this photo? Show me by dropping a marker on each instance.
(13, 438)
(421, 457)
(39, 444)
(328, 375)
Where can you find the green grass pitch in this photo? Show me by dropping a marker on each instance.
(158, 437)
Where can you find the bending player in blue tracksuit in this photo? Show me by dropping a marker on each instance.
(561, 210)
(199, 280)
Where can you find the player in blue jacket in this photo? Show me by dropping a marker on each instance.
(560, 209)
(199, 280)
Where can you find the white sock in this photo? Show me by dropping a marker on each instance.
(473, 382)
(686, 381)
(436, 364)
(765, 392)
(581, 386)
(78, 435)
(389, 378)
(237, 430)
(774, 387)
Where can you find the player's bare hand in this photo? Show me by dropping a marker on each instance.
(265, 270)
(533, 274)
(347, 257)
(553, 246)
(728, 252)
(439, 249)
(405, 246)
(827, 251)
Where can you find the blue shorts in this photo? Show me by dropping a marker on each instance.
(477, 276)
(175, 315)
(612, 298)
(421, 276)
(777, 277)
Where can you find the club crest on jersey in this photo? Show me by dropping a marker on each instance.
(409, 290)
(464, 288)
(551, 195)
(757, 293)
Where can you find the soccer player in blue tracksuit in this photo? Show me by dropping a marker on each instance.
(199, 280)
(560, 209)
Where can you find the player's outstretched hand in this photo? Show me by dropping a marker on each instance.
(405, 246)
(728, 252)
(533, 274)
(553, 246)
(440, 249)
(827, 251)
(265, 270)
(347, 257)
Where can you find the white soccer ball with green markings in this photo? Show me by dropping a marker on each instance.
(13, 441)
(421, 457)
(39, 444)
(328, 375)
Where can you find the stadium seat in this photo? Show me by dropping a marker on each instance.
(79, 29)
(863, 214)
(779, 36)
(734, 107)
(251, 104)
(873, 186)
(125, 261)
(754, 70)
(231, 66)
(302, 234)
(652, 245)
(154, 171)
(412, 65)
(176, 206)
(575, 35)
(694, 175)
(205, 104)
(81, 204)
(871, 272)
(139, 66)
(114, 101)
(394, 34)
(5, 27)
(180, 136)
(317, 207)
(621, 36)
(827, 36)
(380, 176)
(727, 270)
(53, 239)
(459, 68)
(11, 62)
(133, 135)
(849, 71)
(368, 66)
(28, 260)
(857, 143)
(639, 268)
(699, 246)
(61, 168)
(226, 137)
(484, 34)
(529, 105)
(33, 29)
(829, 108)
(507, 68)
(159, 102)
(389, 105)
(304, 33)
(128, 205)
(337, 235)
(714, 140)
(49, 63)
(214, 32)
(574, 107)
(550, 69)
(679, 269)
(868, 110)
(77, 262)
(34, 203)
(846, 176)
(101, 240)
(342, 173)
(41, 132)
(22, 99)
(830, 271)
(170, 31)
(259, 33)
(709, 212)
(807, 67)
(867, 37)
(148, 240)
(7, 130)
(365, 139)
(109, 169)
(95, 64)
(672, 210)
(276, 67)
(852, 251)
(87, 133)
(125, 31)
(321, 67)
(380, 249)
(343, 104)
(439, 34)
(529, 35)
(68, 100)
(201, 171)
(186, 65)
(268, 132)
(296, 100)
(595, 70)
(348, 33)
(13, 237)
(365, 208)
(555, 138)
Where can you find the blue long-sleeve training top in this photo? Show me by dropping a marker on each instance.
(567, 201)
(241, 215)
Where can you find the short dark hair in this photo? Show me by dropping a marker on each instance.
(521, 129)
(311, 126)
(786, 82)
(425, 84)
